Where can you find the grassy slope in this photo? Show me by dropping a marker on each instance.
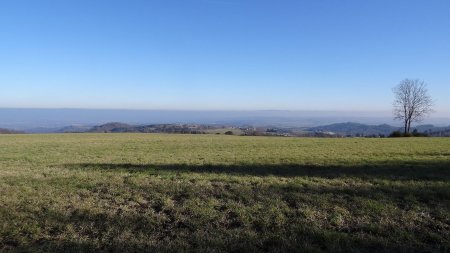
(131, 192)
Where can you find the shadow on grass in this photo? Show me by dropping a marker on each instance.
(275, 217)
(159, 227)
(411, 170)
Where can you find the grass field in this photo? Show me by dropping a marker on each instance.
(210, 193)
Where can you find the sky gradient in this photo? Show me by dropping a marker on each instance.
(221, 54)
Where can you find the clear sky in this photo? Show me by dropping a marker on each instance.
(221, 54)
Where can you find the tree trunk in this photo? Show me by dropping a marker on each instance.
(406, 127)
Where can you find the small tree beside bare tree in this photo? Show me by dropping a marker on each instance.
(412, 102)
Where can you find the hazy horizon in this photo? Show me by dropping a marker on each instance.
(26, 119)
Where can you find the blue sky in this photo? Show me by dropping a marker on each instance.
(221, 54)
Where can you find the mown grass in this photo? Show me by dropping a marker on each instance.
(208, 193)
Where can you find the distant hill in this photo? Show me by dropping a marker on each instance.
(433, 130)
(340, 129)
(357, 129)
(7, 131)
(113, 127)
(439, 132)
(117, 127)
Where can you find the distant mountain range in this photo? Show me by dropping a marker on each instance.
(53, 120)
(340, 129)
(350, 129)
(282, 123)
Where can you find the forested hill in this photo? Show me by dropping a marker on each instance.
(117, 127)
(7, 131)
(355, 129)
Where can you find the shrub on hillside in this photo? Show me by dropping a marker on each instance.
(396, 134)
(415, 133)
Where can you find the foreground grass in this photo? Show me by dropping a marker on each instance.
(146, 192)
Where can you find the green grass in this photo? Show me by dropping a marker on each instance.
(209, 193)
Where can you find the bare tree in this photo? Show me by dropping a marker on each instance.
(412, 102)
